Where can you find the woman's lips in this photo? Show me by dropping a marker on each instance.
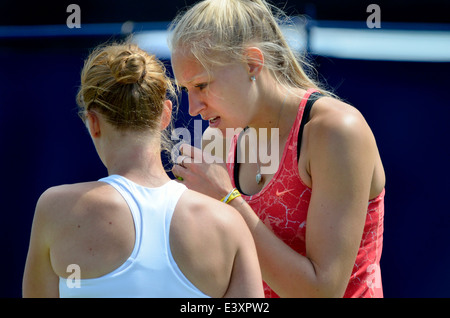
(214, 122)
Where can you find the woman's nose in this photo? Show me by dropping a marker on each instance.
(195, 105)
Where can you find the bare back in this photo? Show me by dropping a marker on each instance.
(90, 224)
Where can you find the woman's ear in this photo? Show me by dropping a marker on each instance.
(166, 115)
(255, 61)
(93, 124)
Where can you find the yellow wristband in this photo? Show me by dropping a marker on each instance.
(231, 196)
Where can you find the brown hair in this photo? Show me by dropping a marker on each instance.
(126, 85)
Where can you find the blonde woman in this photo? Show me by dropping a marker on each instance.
(317, 218)
(135, 233)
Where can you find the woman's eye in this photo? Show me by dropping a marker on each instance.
(201, 86)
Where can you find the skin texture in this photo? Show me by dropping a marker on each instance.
(339, 161)
(90, 224)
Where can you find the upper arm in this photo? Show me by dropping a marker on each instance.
(341, 167)
(39, 279)
(246, 278)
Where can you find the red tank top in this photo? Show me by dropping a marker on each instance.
(283, 203)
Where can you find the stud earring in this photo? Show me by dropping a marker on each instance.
(253, 78)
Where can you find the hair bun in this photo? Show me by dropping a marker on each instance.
(128, 68)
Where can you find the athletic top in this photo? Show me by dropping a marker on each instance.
(150, 271)
(283, 203)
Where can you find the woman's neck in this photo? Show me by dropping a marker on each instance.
(278, 111)
(138, 160)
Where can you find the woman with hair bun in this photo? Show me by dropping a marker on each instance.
(316, 210)
(135, 233)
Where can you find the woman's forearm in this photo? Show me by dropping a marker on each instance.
(287, 272)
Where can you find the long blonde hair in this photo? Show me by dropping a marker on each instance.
(217, 32)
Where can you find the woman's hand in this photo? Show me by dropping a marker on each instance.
(202, 172)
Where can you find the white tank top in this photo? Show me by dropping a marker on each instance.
(150, 271)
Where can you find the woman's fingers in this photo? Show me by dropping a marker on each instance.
(202, 173)
(179, 172)
(182, 160)
(193, 154)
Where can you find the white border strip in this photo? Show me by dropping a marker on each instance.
(381, 44)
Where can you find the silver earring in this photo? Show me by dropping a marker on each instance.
(253, 78)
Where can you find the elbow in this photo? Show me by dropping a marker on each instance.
(320, 285)
(328, 282)
(315, 288)
(327, 287)
(327, 292)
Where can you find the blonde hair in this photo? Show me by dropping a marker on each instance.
(217, 32)
(126, 85)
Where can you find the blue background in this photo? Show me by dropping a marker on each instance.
(43, 143)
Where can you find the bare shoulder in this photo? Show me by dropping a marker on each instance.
(60, 201)
(55, 202)
(194, 206)
(338, 135)
(204, 239)
(335, 131)
(334, 117)
(92, 221)
(335, 128)
(59, 207)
